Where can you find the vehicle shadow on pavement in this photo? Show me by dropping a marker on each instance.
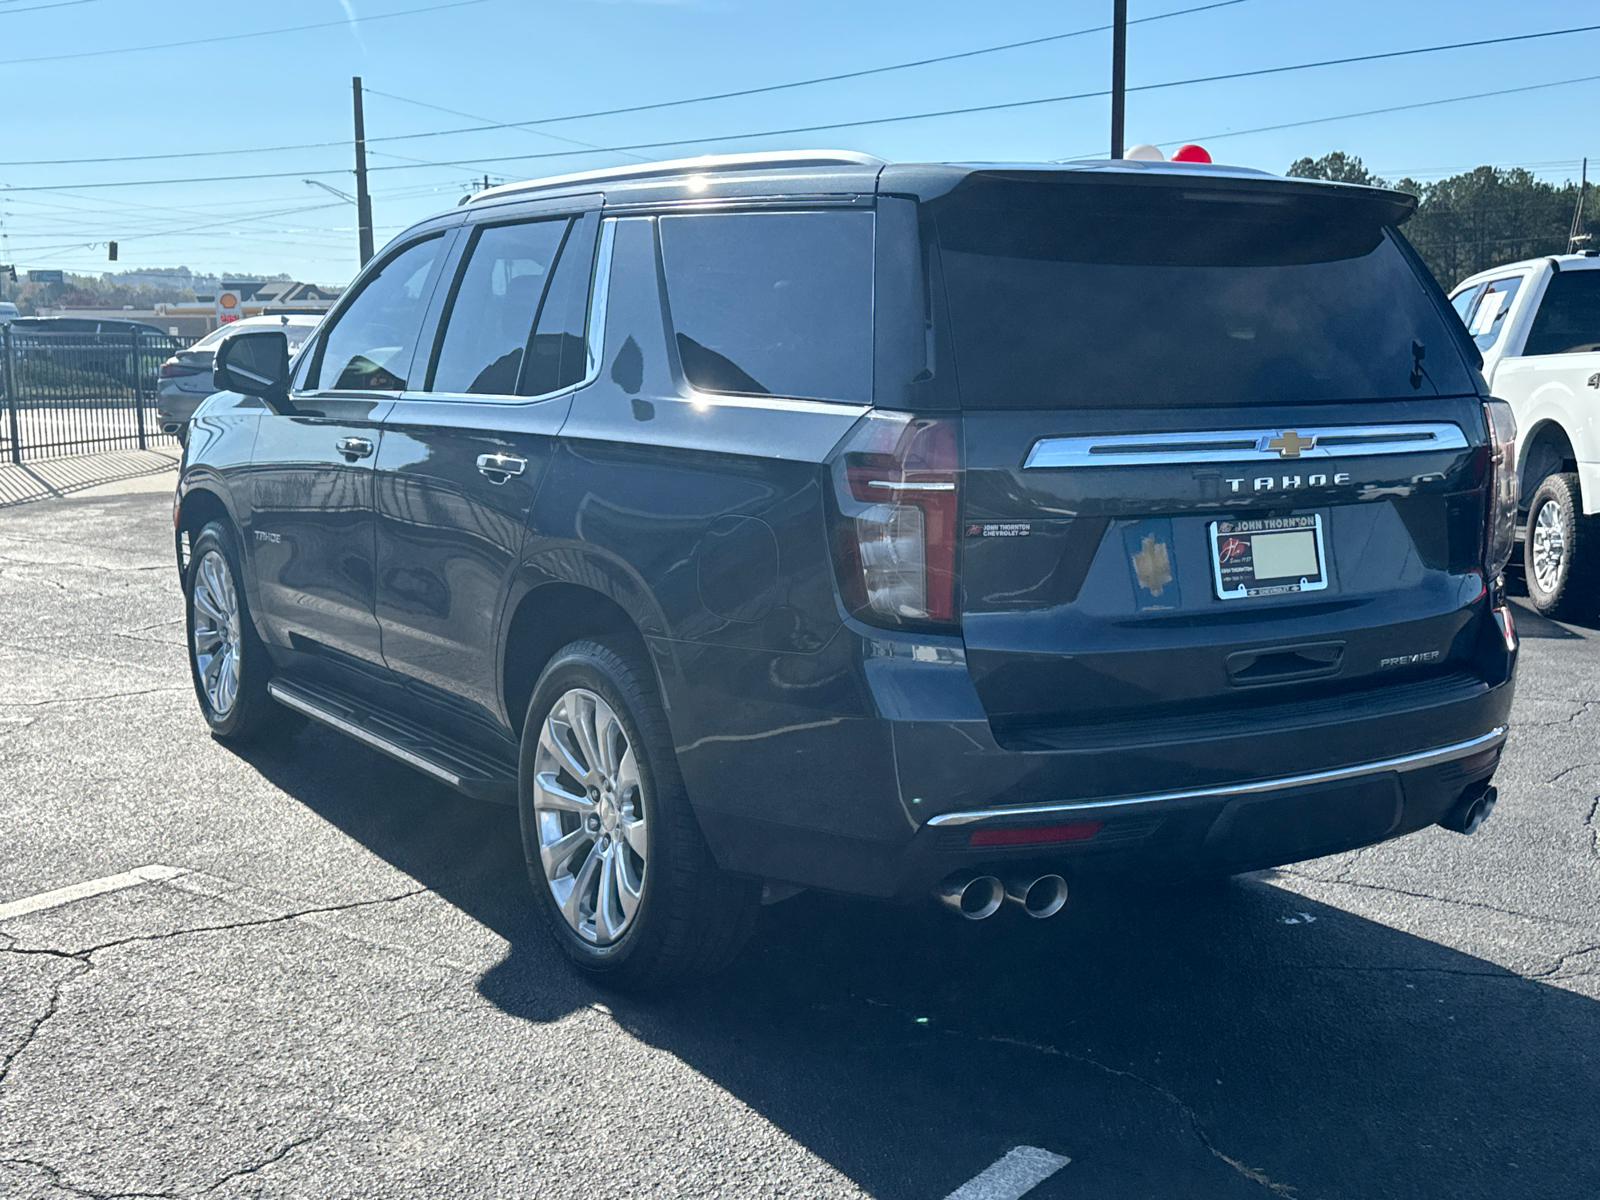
(1235, 1039)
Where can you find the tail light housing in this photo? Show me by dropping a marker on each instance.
(1501, 527)
(896, 494)
(173, 369)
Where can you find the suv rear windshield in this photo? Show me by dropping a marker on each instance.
(1104, 295)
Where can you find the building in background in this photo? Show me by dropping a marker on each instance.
(258, 297)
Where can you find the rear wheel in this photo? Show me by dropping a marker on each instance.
(1561, 551)
(623, 876)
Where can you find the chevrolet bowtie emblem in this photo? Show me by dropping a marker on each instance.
(1289, 443)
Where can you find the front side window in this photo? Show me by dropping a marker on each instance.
(492, 313)
(1569, 316)
(369, 348)
(1463, 303)
(1488, 317)
(773, 303)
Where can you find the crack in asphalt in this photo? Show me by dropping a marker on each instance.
(57, 1180)
(85, 957)
(1186, 1111)
(1569, 770)
(1584, 707)
(88, 699)
(1479, 904)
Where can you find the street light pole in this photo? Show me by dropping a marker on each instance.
(1119, 72)
(363, 200)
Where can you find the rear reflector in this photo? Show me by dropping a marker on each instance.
(1035, 835)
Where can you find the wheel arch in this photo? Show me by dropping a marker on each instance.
(194, 509)
(560, 600)
(1547, 450)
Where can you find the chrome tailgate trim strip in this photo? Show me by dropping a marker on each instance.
(1244, 445)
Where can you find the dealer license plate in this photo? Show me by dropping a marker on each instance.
(1273, 556)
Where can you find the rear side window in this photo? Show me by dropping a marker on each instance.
(773, 303)
(497, 298)
(370, 346)
(558, 354)
(1569, 316)
(1487, 319)
(1113, 296)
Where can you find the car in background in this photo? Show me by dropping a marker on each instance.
(186, 376)
(8, 312)
(74, 353)
(1537, 325)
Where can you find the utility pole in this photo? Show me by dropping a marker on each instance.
(1575, 236)
(1119, 71)
(363, 200)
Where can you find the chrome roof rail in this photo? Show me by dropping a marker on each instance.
(705, 163)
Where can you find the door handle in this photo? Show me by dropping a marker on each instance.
(354, 447)
(502, 465)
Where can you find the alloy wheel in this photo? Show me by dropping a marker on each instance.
(589, 804)
(1549, 546)
(217, 632)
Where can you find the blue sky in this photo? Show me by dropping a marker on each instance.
(519, 60)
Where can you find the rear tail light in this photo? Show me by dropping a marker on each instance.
(1502, 516)
(896, 491)
(173, 369)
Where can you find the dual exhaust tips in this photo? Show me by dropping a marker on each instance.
(978, 897)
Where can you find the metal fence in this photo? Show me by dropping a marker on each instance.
(75, 393)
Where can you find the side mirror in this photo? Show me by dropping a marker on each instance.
(254, 364)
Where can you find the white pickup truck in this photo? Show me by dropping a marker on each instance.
(1538, 325)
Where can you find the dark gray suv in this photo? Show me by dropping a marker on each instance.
(808, 521)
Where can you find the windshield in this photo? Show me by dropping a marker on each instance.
(1107, 296)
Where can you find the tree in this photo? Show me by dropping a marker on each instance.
(1476, 220)
(1338, 167)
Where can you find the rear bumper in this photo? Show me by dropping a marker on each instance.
(887, 802)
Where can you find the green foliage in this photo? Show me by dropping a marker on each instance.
(1476, 220)
(89, 291)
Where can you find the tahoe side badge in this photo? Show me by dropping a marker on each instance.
(1154, 563)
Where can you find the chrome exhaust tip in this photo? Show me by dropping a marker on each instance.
(976, 897)
(1470, 813)
(1039, 897)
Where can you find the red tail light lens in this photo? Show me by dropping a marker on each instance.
(1501, 528)
(896, 489)
(173, 369)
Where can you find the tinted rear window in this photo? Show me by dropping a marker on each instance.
(1569, 316)
(773, 303)
(1111, 296)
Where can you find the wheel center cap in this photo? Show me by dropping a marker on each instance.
(608, 813)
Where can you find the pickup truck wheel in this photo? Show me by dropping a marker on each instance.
(227, 661)
(1561, 551)
(622, 873)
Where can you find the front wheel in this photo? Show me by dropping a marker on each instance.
(1561, 551)
(622, 873)
(227, 661)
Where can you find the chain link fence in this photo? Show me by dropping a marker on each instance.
(78, 393)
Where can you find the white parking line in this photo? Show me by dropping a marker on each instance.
(154, 873)
(1016, 1173)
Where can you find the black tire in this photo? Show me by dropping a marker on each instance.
(1563, 580)
(252, 716)
(691, 918)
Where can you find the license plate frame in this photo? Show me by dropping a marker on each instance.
(1234, 556)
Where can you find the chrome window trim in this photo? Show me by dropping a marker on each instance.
(1405, 762)
(1242, 445)
(599, 295)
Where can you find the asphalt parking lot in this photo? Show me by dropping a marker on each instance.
(328, 980)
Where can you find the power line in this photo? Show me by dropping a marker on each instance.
(1148, 87)
(817, 128)
(489, 126)
(234, 37)
(7, 12)
(1394, 108)
(778, 87)
(469, 116)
